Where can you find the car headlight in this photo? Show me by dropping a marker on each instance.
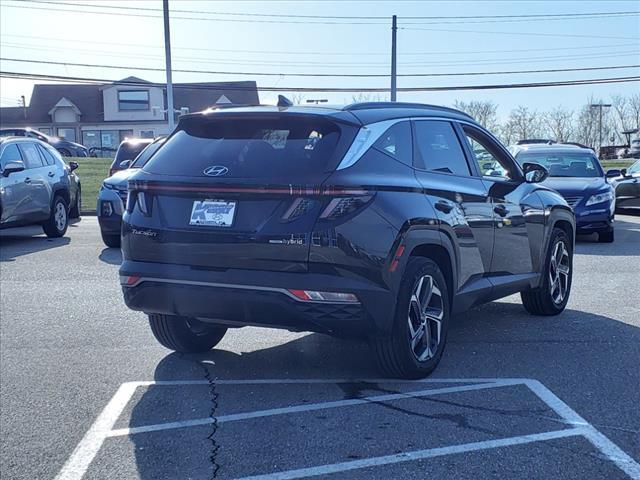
(599, 198)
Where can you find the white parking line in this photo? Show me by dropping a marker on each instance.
(87, 449)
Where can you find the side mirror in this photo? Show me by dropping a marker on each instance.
(12, 167)
(613, 172)
(534, 172)
(73, 166)
(125, 164)
(623, 172)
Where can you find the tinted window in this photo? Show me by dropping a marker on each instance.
(46, 155)
(490, 159)
(439, 149)
(561, 164)
(10, 154)
(128, 151)
(249, 148)
(635, 168)
(146, 154)
(32, 158)
(133, 100)
(396, 142)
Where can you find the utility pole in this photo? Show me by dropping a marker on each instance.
(167, 56)
(600, 106)
(394, 30)
(24, 106)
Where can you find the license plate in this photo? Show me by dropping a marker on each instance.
(212, 213)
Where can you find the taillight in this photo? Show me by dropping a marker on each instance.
(142, 199)
(339, 207)
(330, 297)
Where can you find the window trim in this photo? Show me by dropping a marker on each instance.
(411, 134)
(146, 109)
(416, 150)
(500, 149)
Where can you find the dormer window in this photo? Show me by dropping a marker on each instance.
(133, 100)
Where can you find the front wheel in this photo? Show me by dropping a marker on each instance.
(183, 334)
(417, 340)
(111, 240)
(551, 297)
(56, 225)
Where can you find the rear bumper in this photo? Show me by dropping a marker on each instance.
(248, 297)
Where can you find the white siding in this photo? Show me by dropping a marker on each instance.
(112, 113)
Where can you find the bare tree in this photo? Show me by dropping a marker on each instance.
(483, 111)
(623, 115)
(297, 98)
(634, 106)
(369, 97)
(523, 123)
(559, 123)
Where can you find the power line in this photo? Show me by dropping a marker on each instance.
(535, 34)
(350, 75)
(342, 65)
(543, 16)
(560, 83)
(328, 53)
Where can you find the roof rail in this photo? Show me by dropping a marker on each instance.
(372, 105)
(526, 141)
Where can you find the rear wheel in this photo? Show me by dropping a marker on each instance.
(606, 237)
(56, 225)
(551, 297)
(417, 340)
(110, 240)
(183, 334)
(64, 152)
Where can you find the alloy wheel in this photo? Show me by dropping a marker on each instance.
(559, 270)
(60, 216)
(426, 310)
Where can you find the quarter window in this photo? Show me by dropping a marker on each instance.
(396, 142)
(46, 155)
(133, 100)
(32, 158)
(438, 148)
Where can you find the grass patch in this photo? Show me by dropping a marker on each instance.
(92, 171)
(626, 163)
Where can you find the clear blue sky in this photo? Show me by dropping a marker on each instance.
(39, 32)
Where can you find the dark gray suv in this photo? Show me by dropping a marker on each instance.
(34, 186)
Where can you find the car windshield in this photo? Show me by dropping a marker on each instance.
(564, 164)
(635, 168)
(146, 154)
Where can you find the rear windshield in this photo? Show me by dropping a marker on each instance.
(249, 148)
(146, 154)
(128, 151)
(563, 164)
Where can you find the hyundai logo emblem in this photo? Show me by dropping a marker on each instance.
(216, 171)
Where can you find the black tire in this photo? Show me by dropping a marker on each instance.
(185, 335)
(606, 237)
(395, 354)
(77, 207)
(64, 152)
(56, 225)
(541, 301)
(110, 240)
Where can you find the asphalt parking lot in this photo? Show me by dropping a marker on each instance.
(86, 392)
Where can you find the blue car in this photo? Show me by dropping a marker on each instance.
(576, 174)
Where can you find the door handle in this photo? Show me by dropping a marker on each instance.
(501, 210)
(27, 180)
(443, 206)
(51, 174)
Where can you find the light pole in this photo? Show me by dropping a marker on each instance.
(167, 56)
(394, 30)
(599, 106)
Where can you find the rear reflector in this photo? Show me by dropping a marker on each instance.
(129, 280)
(331, 297)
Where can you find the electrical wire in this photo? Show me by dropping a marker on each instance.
(230, 87)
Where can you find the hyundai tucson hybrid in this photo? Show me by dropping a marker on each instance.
(576, 173)
(372, 221)
(35, 186)
(112, 197)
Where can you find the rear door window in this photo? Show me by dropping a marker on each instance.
(32, 158)
(438, 148)
(249, 148)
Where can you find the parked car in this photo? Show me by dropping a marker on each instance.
(112, 197)
(127, 151)
(65, 147)
(627, 186)
(35, 187)
(576, 173)
(373, 220)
